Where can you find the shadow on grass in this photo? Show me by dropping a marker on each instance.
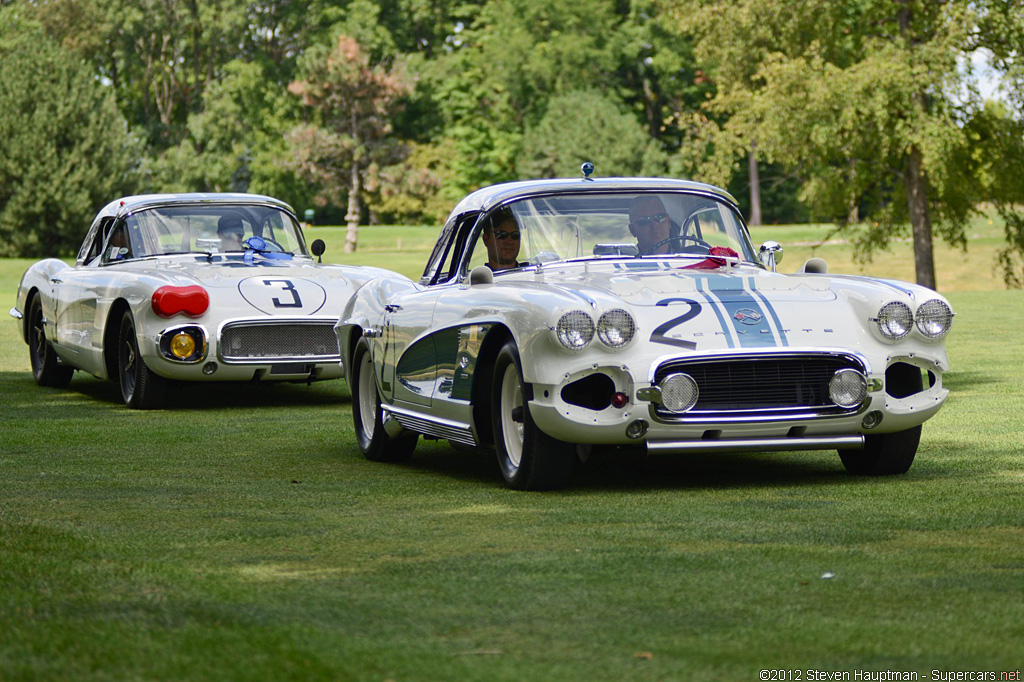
(959, 381)
(19, 387)
(617, 471)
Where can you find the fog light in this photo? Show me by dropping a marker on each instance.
(636, 429)
(619, 400)
(183, 345)
(871, 419)
(678, 392)
(848, 388)
(210, 368)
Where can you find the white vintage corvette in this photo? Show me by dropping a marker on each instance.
(557, 315)
(188, 287)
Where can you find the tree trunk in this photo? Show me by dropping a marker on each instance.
(920, 221)
(755, 186)
(352, 217)
(354, 187)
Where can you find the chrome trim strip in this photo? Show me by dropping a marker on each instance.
(16, 314)
(758, 444)
(431, 426)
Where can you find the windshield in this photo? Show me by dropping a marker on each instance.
(597, 225)
(219, 228)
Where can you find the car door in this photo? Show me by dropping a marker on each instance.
(410, 359)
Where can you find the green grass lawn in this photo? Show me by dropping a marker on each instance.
(241, 536)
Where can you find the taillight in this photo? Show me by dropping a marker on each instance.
(169, 301)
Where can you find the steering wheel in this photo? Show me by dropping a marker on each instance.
(277, 246)
(681, 239)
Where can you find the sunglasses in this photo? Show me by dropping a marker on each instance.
(646, 220)
(502, 234)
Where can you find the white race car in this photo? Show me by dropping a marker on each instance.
(558, 315)
(189, 287)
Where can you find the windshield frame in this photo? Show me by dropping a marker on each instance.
(746, 253)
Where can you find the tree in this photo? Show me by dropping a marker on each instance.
(65, 151)
(352, 101)
(868, 100)
(586, 125)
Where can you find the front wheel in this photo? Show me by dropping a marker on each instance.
(46, 369)
(529, 458)
(883, 455)
(141, 389)
(368, 417)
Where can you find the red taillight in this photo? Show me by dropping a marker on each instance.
(169, 301)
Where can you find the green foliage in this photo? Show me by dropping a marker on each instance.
(65, 149)
(586, 125)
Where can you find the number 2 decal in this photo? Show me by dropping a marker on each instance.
(660, 334)
(289, 287)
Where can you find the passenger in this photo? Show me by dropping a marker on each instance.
(502, 237)
(230, 231)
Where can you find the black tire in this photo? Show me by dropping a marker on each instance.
(47, 370)
(368, 417)
(883, 455)
(141, 389)
(529, 459)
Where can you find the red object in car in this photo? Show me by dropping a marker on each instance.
(169, 301)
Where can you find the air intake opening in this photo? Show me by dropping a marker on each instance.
(593, 392)
(903, 380)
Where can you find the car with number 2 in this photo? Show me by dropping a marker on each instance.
(558, 315)
(186, 287)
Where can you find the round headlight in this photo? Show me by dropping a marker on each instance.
(848, 388)
(575, 330)
(895, 320)
(934, 318)
(616, 328)
(678, 392)
(183, 345)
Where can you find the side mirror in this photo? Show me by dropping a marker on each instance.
(481, 274)
(318, 247)
(770, 254)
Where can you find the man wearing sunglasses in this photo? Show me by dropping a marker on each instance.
(650, 223)
(501, 236)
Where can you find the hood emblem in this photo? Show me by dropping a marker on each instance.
(748, 316)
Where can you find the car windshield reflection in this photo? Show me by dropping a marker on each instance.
(574, 227)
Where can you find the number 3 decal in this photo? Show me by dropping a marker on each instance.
(289, 287)
(660, 334)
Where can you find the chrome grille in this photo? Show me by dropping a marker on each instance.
(760, 386)
(266, 342)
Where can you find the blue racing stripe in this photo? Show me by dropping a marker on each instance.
(783, 341)
(714, 305)
(749, 317)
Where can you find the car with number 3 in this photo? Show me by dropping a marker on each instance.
(186, 287)
(558, 315)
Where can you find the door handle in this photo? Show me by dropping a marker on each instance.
(392, 307)
(55, 280)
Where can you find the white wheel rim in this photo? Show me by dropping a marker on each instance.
(367, 396)
(512, 431)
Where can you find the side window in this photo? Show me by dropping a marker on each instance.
(118, 246)
(448, 253)
(94, 240)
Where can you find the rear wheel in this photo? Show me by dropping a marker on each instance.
(141, 389)
(884, 454)
(529, 458)
(46, 368)
(368, 417)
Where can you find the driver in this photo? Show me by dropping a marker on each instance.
(650, 223)
(230, 231)
(501, 236)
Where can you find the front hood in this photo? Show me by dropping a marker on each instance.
(652, 283)
(273, 287)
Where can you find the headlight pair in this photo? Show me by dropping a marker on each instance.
(575, 329)
(895, 320)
